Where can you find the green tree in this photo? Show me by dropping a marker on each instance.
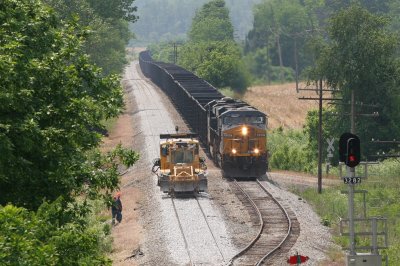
(57, 234)
(115, 10)
(211, 23)
(107, 24)
(217, 62)
(373, 6)
(51, 101)
(361, 57)
(281, 28)
(211, 52)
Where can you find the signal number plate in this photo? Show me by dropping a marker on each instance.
(352, 180)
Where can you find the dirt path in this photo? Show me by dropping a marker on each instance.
(128, 234)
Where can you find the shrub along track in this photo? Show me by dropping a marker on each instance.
(278, 228)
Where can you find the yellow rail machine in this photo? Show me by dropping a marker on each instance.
(180, 168)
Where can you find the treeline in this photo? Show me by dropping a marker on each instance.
(56, 91)
(170, 20)
(106, 28)
(287, 34)
(210, 51)
(357, 52)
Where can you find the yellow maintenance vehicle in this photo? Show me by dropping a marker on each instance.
(180, 167)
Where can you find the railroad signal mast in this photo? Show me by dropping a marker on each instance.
(349, 153)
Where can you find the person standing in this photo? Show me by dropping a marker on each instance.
(116, 209)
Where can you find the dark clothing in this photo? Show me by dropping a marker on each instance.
(119, 217)
(116, 210)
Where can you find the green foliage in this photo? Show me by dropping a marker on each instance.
(288, 151)
(52, 104)
(107, 25)
(211, 29)
(52, 236)
(211, 23)
(106, 46)
(174, 17)
(382, 199)
(373, 6)
(115, 10)
(217, 62)
(211, 52)
(259, 65)
(281, 29)
(164, 51)
(51, 99)
(20, 239)
(361, 57)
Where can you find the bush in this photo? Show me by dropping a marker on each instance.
(57, 234)
(289, 151)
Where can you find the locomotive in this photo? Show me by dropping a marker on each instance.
(237, 137)
(233, 131)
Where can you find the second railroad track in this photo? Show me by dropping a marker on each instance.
(278, 227)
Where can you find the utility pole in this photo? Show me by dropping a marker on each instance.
(320, 138)
(320, 100)
(175, 55)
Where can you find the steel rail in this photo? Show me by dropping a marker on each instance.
(289, 231)
(252, 242)
(209, 228)
(183, 233)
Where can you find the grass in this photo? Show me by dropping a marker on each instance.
(280, 102)
(228, 92)
(109, 124)
(382, 200)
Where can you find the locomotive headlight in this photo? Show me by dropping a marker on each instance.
(244, 131)
(256, 151)
(234, 151)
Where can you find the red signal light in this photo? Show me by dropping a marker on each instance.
(352, 158)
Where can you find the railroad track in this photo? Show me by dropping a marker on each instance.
(278, 228)
(189, 209)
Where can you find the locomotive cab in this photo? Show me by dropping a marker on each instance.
(180, 168)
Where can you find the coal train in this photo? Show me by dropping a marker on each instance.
(233, 131)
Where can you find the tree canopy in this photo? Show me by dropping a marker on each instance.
(281, 30)
(211, 51)
(170, 20)
(107, 24)
(53, 101)
(361, 57)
